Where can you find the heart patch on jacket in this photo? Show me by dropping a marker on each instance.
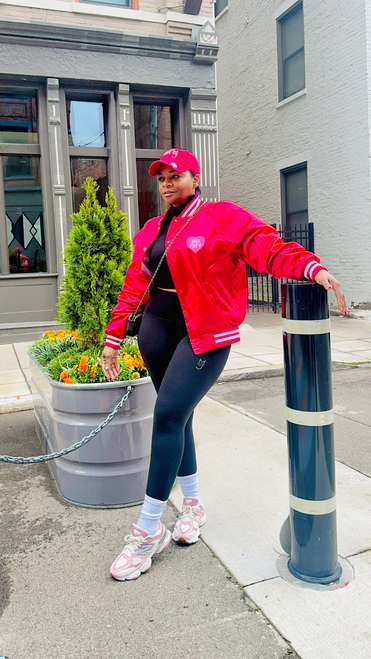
(195, 242)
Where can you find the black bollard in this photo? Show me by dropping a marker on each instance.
(310, 434)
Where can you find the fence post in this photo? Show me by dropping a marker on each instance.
(310, 435)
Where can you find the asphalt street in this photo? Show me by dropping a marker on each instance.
(265, 400)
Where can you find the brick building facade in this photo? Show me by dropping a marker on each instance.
(316, 133)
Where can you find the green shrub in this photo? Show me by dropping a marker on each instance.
(96, 258)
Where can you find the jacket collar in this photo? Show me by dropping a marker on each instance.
(191, 207)
(187, 211)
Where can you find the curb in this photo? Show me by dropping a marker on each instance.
(16, 404)
(236, 376)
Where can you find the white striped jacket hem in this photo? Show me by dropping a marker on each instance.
(223, 337)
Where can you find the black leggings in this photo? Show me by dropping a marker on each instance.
(181, 380)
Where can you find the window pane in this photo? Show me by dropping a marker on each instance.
(18, 119)
(85, 122)
(294, 74)
(153, 127)
(24, 216)
(220, 5)
(150, 201)
(292, 33)
(296, 191)
(81, 168)
(120, 3)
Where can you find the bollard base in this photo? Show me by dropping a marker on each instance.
(346, 576)
(321, 580)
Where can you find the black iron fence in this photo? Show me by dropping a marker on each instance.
(264, 291)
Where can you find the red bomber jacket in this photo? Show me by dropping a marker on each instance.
(207, 262)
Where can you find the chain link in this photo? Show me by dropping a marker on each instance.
(52, 456)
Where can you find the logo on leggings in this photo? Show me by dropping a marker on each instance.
(200, 364)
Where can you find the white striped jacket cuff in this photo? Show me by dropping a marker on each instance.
(112, 342)
(311, 269)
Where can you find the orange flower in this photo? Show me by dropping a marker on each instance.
(74, 333)
(52, 335)
(129, 362)
(64, 376)
(83, 365)
(47, 332)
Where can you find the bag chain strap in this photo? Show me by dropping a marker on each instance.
(163, 256)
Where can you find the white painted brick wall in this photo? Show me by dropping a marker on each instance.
(331, 122)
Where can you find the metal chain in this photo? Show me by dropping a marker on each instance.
(52, 456)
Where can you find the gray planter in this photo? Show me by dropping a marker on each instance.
(112, 469)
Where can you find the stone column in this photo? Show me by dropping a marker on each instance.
(126, 155)
(57, 169)
(205, 140)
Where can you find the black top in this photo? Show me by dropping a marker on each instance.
(163, 278)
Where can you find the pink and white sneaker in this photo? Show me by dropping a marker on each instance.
(136, 557)
(187, 528)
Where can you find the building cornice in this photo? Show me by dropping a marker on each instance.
(93, 39)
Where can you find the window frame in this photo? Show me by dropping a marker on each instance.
(218, 12)
(133, 4)
(109, 152)
(284, 172)
(281, 60)
(40, 150)
(177, 101)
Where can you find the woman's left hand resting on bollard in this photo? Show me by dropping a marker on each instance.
(328, 281)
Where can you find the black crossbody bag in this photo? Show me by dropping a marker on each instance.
(135, 319)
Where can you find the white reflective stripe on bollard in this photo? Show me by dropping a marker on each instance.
(306, 326)
(309, 418)
(313, 507)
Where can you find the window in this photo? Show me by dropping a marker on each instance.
(23, 248)
(88, 152)
(219, 6)
(291, 67)
(294, 196)
(154, 134)
(131, 4)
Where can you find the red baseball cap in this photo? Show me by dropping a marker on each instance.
(179, 159)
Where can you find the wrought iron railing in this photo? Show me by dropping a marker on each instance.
(264, 291)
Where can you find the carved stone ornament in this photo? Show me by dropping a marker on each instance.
(208, 35)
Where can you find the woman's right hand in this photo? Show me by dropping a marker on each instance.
(109, 363)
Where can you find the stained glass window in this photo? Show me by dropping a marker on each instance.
(24, 214)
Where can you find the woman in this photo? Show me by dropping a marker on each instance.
(189, 322)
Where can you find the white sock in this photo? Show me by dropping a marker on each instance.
(150, 514)
(190, 486)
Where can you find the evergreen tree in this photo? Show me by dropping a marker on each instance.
(96, 257)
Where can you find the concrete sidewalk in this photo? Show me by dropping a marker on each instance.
(258, 354)
(246, 461)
